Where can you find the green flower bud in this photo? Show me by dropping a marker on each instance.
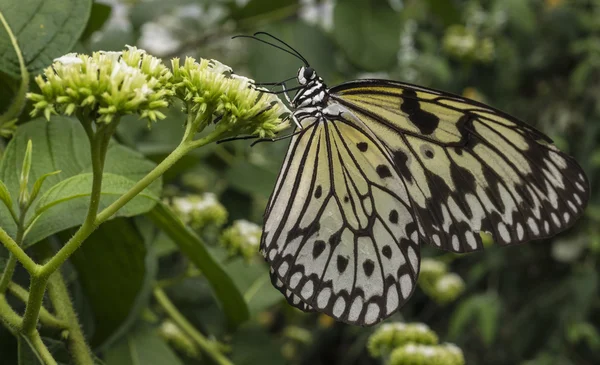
(236, 105)
(391, 335)
(417, 354)
(437, 283)
(200, 211)
(173, 335)
(459, 41)
(242, 238)
(448, 288)
(432, 270)
(105, 85)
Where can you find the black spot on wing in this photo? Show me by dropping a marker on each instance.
(318, 248)
(318, 192)
(368, 266)
(401, 162)
(424, 120)
(383, 171)
(362, 146)
(387, 251)
(394, 216)
(342, 263)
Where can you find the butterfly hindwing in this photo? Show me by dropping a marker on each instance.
(340, 233)
(468, 167)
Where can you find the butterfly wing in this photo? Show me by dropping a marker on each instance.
(468, 167)
(339, 232)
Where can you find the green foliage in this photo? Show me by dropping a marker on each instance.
(47, 29)
(537, 304)
(63, 198)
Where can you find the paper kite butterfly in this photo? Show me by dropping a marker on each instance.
(377, 168)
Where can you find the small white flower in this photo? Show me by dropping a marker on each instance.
(69, 59)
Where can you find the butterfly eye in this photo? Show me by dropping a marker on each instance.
(308, 73)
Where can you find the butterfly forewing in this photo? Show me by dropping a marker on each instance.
(468, 167)
(340, 234)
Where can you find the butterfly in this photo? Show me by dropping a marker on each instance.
(378, 168)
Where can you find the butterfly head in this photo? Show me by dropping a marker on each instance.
(306, 74)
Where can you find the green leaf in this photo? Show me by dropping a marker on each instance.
(5, 196)
(63, 145)
(27, 354)
(116, 273)
(253, 345)
(38, 184)
(232, 301)
(45, 29)
(113, 186)
(252, 278)
(368, 32)
(99, 15)
(141, 346)
(483, 310)
(24, 178)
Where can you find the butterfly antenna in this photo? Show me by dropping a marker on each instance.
(285, 44)
(274, 83)
(272, 45)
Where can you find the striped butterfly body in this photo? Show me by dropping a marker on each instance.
(378, 168)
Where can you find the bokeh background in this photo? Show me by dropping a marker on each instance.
(535, 304)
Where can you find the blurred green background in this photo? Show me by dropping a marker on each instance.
(536, 304)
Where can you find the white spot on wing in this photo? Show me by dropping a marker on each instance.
(405, 285)
(355, 309)
(392, 300)
(503, 232)
(307, 290)
(372, 313)
(533, 226)
(339, 307)
(323, 298)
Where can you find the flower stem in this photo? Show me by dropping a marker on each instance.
(8, 316)
(36, 342)
(7, 274)
(206, 345)
(46, 318)
(76, 343)
(18, 252)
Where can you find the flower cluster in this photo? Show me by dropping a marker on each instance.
(441, 285)
(464, 43)
(104, 85)
(412, 344)
(211, 88)
(200, 211)
(392, 335)
(414, 354)
(242, 238)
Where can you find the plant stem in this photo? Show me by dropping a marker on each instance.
(46, 318)
(7, 274)
(98, 143)
(9, 270)
(37, 287)
(18, 252)
(76, 343)
(36, 342)
(205, 345)
(10, 318)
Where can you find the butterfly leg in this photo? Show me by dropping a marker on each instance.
(287, 97)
